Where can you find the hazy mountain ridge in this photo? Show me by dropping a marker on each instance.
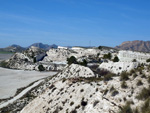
(18, 48)
(43, 46)
(137, 45)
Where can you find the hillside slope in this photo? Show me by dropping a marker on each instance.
(137, 45)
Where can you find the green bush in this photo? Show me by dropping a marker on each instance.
(135, 75)
(107, 56)
(34, 59)
(139, 83)
(116, 59)
(146, 106)
(144, 94)
(126, 108)
(124, 76)
(134, 60)
(108, 76)
(41, 68)
(148, 79)
(84, 63)
(124, 85)
(71, 60)
(148, 60)
(4, 64)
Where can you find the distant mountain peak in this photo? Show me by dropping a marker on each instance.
(136, 45)
(43, 46)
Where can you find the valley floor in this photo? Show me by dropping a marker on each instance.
(11, 80)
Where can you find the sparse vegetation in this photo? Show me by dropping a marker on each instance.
(107, 56)
(148, 79)
(134, 60)
(139, 83)
(124, 76)
(4, 64)
(95, 103)
(144, 94)
(116, 59)
(146, 106)
(113, 91)
(124, 85)
(71, 60)
(108, 76)
(71, 103)
(84, 63)
(41, 68)
(148, 60)
(126, 108)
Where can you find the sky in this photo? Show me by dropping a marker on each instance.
(73, 22)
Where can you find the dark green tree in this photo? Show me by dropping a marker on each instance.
(71, 60)
(116, 59)
(84, 63)
(41, 68)
(107, 56)
(148, 60)
(134, 60)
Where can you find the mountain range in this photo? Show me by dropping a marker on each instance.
(137, 45)
(18, 48)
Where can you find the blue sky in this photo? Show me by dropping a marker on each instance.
(73, 22)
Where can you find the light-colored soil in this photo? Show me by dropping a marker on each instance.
(11, 80)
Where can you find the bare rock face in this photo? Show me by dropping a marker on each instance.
(20, 61)
(33, 52)
(143, 46)
(57, 55)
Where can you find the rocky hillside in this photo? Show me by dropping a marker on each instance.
(143, 46)
(81, 93)
(43, 46)
(13, 48)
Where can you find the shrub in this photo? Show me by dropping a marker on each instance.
(71, 60)
(143, 76)
(100, 47)
(135, 75)
(71, 103)
(112, 88)
(84, 63)
(116, 59)
(139, 83)
(146, 106)
(107, 56)
(144, 94)
(41, 68)
(132, 71)
(134, 60)
(124, 84)
(126, 108)
(114, 93)
(26, 60)
(148, 60)
(34, 59)
(4, 64)
(124, 76)
(108, 76)
(148, 80)
(95, 103)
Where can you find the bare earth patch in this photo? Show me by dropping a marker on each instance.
(11, 80)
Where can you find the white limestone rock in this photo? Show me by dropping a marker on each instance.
(118, 67)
